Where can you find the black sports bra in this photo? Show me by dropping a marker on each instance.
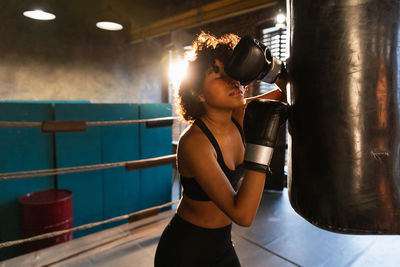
(191, 188)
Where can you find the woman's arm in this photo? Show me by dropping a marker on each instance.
(276, 94)
(198, 156)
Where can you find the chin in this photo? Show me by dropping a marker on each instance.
(237, 104)
(240, 101)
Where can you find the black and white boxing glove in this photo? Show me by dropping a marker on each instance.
(251, 60)
(262, 120)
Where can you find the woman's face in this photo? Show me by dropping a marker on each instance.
(220, 90)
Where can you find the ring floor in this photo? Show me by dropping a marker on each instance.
(277, 237)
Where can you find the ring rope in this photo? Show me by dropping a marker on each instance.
(101, 123)
(20, 124)
(88, 123)
(145, 163)
(85, 226)
(50, 172)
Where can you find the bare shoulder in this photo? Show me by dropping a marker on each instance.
(193, 139)
(193, 147)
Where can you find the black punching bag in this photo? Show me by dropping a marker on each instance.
(344, 124)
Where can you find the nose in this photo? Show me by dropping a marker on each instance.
(230, 79)
(234, 82)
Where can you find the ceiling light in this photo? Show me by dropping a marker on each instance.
(39, 14)
(109, 26)
(280, 19)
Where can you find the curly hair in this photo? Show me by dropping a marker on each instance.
(207, 49)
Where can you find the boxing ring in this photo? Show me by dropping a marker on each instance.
(128, 189)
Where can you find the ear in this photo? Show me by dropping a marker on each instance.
(201, 98)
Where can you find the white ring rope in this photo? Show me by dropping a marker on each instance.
(50, 172)
(88, 123)
(85, 226)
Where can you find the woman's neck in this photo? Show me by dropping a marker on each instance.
(218, 119)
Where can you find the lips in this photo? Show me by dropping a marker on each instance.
(236, 92)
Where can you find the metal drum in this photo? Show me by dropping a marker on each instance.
(43, 212)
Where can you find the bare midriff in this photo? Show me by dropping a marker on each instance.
(202, 213)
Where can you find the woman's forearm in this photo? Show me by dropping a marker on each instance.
(248, 197)
(275, 94)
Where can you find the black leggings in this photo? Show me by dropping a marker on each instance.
(184, 244)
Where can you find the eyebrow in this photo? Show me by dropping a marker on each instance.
(212, 69)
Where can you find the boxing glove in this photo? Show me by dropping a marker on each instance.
(261, 124)
(251, 60)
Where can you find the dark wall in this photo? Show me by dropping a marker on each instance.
(73, 60)
(70, 59)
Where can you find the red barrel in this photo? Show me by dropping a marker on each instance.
(45, 211)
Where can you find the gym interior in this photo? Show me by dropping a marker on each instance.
(89, 129)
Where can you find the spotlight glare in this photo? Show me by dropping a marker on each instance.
(39, 14)
(177, 71)
(109, 26)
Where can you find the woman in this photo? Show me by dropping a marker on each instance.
(210, 155)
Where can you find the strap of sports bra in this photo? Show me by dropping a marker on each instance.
(210, 136)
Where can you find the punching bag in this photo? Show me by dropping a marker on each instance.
(344, 122)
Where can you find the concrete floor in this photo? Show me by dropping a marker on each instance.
(278, 237)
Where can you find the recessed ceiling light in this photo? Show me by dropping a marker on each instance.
(39, 14)
(109, 26)
(280, 18)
